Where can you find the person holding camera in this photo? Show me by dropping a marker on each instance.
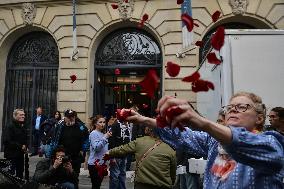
(57, 171)
(98, 147)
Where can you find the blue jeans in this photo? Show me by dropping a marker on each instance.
(117, 174)
(65, 185)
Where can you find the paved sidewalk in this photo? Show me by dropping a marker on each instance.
(84, 180)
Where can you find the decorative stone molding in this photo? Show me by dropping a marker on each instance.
(125, 9)
(28, 13)
(239, 6)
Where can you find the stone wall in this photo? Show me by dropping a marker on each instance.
(95, 19)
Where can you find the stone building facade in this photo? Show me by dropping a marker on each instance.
(96, 19)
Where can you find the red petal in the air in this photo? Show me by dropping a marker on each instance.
(114, 6)
(145, 17)
(199, 43)
(145, 106)
(117, 71)
(216, 16)
(73, 78)
(172, 69)
(217, 40)
(122, 114)
(193, 77)
(126, 1)
(179, 2)
(150, 83)
(210, 85)
(116, 88)
(202, 85)
(133, 87)
(188, 21)
(212, 58)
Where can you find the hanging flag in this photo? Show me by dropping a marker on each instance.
(75, 48)
(187, 37)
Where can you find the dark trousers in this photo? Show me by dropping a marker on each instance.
(17, 165)
(138, 185)
(36, 141)
(95, 178)
(76, 165)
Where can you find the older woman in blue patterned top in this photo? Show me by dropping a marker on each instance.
(239, 155)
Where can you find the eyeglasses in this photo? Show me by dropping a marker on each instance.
(238, 107)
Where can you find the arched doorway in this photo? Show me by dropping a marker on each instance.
(31, 76)
(133, 52)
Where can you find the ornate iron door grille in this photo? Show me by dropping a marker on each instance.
(31, 77)
(129, 49)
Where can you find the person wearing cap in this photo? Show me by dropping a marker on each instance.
(73, 135)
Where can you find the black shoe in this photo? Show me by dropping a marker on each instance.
(33, 154)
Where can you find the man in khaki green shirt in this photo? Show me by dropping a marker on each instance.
(157, 169)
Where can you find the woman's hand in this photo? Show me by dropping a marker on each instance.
(188, 115)
(108, 134)
(57, 162)
(68, 167)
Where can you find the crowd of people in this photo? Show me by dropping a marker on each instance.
(241, 151)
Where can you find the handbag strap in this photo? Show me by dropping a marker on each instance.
(157, 143)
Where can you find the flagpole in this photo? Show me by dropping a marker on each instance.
(75, 50)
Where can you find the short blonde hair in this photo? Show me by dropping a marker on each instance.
(16, 111)
(258, 105)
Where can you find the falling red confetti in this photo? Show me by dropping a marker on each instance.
(212, 58)
(179, 2)
(199, 43)
(216, 16)
(73, 78)
(117, 71)
(188, 21)
(193, 77)
(145, 17)
(150, 83)
(210, 85)
(145, 106)
(217, 40)
(116, 88)
(202, 85)
(133, 87)
(126, 1)
(114, 6)
(122, 114)
(172, 69)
